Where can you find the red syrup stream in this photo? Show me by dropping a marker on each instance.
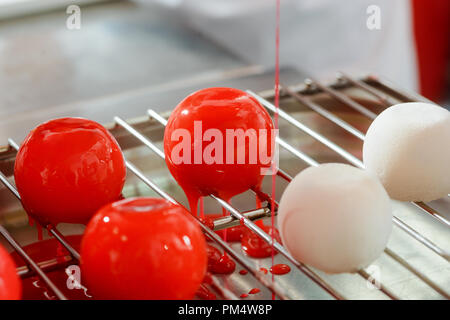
(202, 209)
(32, 222)
(277, 104)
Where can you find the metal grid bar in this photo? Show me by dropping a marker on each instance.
(247, 217)
(253, 227)
(391, 254)
(382, 98)
(247, 222)
(50, 266)
(358, 163)
(343, 98)
(344, 125)
(213, 236)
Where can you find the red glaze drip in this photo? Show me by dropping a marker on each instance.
(209, 222)
(224, 232)
(244, 295)
(202, 208)
(60, 252)
(243, 272)
(204, 293)
(208, 278)
(39, 230)
(254, 291)
(233, 234)
(221, 109)
(263, 270)
(219, 263)
(277, 105)
(224, 266)
(193, 202)
(256, 247)
(280, 269)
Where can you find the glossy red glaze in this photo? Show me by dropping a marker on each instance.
(280, 269)
(204, 293)
(254, 291)
(10, 285)
(243, 272)
(220, 109)
(256, 247)
(219, 263)
(32, 287)
(66, 169)
(143, 248)
(244, 295)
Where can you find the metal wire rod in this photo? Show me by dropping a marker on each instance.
(355, 161)
(305, 269)
(31, 263)
(241, 259)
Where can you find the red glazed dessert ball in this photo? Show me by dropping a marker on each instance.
(143, 248)
(66, 169)
(201, 148)
(10, 285)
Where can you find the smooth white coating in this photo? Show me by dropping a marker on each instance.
(335, 217)
(408, 148)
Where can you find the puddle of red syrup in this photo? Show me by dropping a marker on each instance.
(202, 208)
(263, 270)
(32, 287)
(243, 272)
(280, 269)
(244, 295)
(219, 263)
(256, 247)
(204, 293)
(277, 105)
(254, 291)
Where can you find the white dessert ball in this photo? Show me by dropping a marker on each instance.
(335, 217)
(408, 147)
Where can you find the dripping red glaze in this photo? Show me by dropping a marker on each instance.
(204, 293)
(256, 247)
(280, 269)
(219, 263)
(254, 291)
(263, 270)
(243, 272)
(219, 109)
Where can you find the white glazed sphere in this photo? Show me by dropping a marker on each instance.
(335, 217)
(408, 147)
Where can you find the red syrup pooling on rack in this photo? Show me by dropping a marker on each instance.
(254, 291)
(280, 269)
(32, 222)
(219, 263)
(45, 251)
(277, 105)
(244, 295)
(254, 246)
(243, 272)
(204, 293)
